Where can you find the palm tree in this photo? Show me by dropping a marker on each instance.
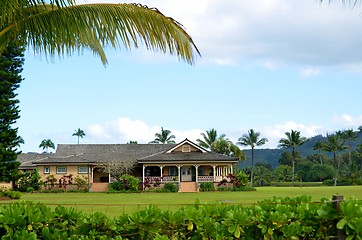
(252, 139)
(61, 27)
(334, 144)
(226, 147)
(293, 140)
(164, 137)
(318, 146)
(46, 143)
(79, 133)
(208, 139)
(350, 136)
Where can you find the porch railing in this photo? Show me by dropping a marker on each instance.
(205, 178)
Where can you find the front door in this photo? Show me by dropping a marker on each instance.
(186, 174)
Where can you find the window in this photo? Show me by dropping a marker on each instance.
(46, 170)
(82, 170)
(61, 170)
(186, 148)
(173, 171)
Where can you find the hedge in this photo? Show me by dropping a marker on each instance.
(277, 218)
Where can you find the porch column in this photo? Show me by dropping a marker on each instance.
(197, 175)
(109, 173)
(143, 176)
(214, 167)
(231, 169)
(179, 173)
(161, 167)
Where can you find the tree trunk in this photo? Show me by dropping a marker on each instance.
(252, 167)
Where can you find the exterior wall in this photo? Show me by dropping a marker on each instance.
(192, 148)
(99, 187)
(70, 170)
(6, 185)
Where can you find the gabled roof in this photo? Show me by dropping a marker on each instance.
(184, 142)
(197, 154)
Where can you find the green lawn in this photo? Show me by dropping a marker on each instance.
(116, 204)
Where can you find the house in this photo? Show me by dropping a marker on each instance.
(185, 163)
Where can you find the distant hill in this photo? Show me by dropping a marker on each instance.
(272, 156)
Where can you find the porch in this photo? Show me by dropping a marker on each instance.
(185, 173)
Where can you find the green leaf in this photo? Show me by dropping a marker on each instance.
(341, 223)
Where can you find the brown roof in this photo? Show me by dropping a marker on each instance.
(26, 159)
(95, 153)
(189, 157)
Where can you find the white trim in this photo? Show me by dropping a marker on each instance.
(188, 142)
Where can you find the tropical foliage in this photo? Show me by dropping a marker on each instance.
(226, 147)
(277, 218)
(46, 143)
(208, 138)
(79, 133)
(164, 137)
(253, 140)
(62, 27)
(292, 141)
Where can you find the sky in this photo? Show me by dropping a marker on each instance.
(268, 65)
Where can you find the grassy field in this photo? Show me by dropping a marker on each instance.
(117, 204)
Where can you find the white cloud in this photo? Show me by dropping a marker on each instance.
(309, 72)
(347, 121)
(123, 130)
(276, 132)
(290, 32)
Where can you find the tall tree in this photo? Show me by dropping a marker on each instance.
(164, 137)
(318, 146)
(46, 143)
(226, 147)
(79, 133)
(63, 27)
(253, 140)
(11, 65)
(292, 141)
(334, 144)
(349, 135)
(208, 139)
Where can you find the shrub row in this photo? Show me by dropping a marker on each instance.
(4, 192)
(278, 218)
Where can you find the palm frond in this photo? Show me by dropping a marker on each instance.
(58, 29)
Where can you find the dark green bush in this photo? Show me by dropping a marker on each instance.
(126, 183)
(170, 187)
(207, 187)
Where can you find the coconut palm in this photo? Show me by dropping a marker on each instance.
(62, 27)
(334, 144)
(164, 137)
(253, 140)
(79, 133)
(46, 143)
(208, 139)
(293, 140)
(318, 146)
(350, 136)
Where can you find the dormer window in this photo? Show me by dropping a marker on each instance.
(186, 148)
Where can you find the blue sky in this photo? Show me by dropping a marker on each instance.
(270, 65)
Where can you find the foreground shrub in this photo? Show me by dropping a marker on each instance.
(277, 218)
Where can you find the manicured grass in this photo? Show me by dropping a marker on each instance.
(118, 203)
